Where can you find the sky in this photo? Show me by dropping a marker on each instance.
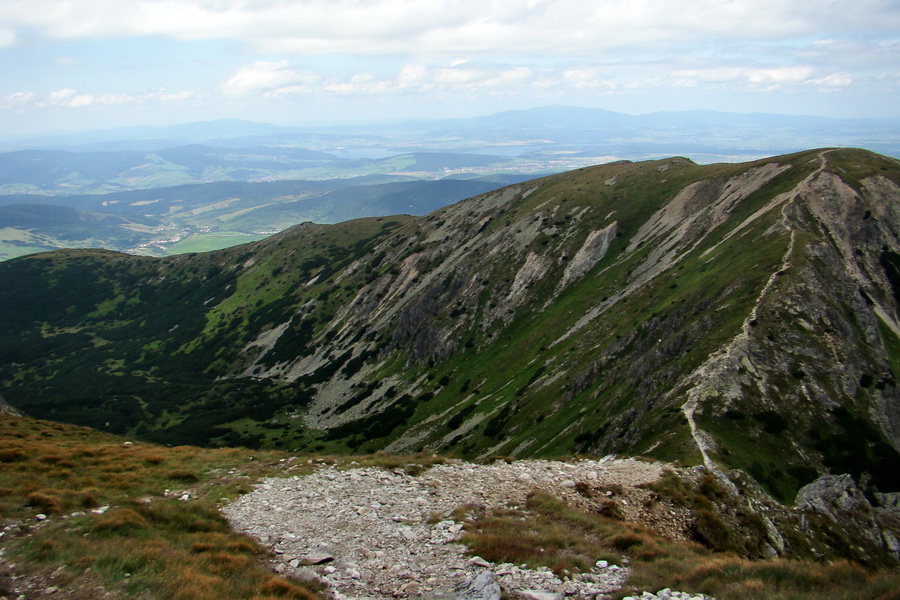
(71, 65)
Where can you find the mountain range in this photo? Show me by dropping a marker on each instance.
(744, 315)
(209, 185)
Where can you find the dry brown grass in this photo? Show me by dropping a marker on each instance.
(549, 533)
(146, 544)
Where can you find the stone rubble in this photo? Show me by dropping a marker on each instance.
(668, 594)
(373, 534)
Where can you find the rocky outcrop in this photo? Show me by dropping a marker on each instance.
(838, 499)
(7, 409)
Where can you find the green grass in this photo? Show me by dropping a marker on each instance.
(8, 251)
(206, 242)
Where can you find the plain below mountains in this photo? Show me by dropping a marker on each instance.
(210, 216)
(744, 315)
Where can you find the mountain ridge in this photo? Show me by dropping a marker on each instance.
(685, 312)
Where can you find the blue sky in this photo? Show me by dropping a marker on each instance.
(72, 65)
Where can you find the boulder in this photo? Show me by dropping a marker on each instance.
(838, 498)
(832, 495)
(483, 586)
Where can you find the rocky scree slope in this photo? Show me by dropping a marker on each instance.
(744, 315)
(377, 533)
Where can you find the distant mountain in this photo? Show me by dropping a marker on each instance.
(56, 172)
(62, 172)
(149, 138)
(541, 133)
(746, 315)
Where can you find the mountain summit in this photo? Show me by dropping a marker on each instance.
(739, 314)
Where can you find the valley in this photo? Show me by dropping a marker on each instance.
(614, 309)
(209, 185)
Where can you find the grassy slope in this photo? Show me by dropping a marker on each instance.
(179, 324)
(109, 509)
(115, 519)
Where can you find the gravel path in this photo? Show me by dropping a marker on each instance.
(384, 534)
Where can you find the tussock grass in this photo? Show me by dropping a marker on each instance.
(139, 540)
(548, 534)
(567, 540)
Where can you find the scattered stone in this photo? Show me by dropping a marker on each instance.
(376, 528)
(317, 558)
(537, 595)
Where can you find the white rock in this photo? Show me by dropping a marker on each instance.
(539, 595)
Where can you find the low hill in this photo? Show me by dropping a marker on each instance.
(744, 315)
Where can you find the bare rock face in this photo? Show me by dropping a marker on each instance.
(7, 409)
(832, 495)
(837, 498)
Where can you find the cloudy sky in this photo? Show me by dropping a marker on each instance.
(74, 64)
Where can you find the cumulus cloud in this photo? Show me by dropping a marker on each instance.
(755, 75)
(836, 80)
(570, 50)
(7, 37)
(447, 26)
(17, 100)
(268, 79)
(264, 77)
(71, 98)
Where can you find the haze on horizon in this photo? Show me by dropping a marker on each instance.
(71, 66)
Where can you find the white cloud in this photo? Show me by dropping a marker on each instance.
(767, 76)
(837, 80)
(82, 100)
(71, 98)
(267, 78)
(449, 27)
(61, 96)
(7, 37)
(18, 100)
(448, 51)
